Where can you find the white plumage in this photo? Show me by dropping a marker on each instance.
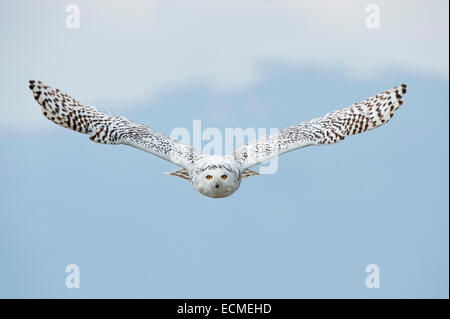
(216, 176)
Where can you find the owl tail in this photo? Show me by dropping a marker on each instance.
(181, 173)
(248, 172)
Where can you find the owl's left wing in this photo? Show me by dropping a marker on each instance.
(331, 128)
(65, 111)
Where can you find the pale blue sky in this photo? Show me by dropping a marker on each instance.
(307, 231)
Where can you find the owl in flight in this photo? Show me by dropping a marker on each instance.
(216, 176)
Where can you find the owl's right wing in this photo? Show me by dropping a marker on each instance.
(331, 128)
(63, 110)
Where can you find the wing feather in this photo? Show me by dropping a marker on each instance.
(331, 128)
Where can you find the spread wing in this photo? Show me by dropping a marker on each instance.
(331, 128)
(63, 110)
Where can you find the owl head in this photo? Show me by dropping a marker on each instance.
(215, 182)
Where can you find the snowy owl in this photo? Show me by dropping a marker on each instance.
(216, 176)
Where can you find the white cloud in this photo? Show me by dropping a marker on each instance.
(127, 51)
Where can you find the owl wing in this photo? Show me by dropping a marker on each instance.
(63, 110)
(331, 128)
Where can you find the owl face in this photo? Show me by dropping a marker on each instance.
(215, 182)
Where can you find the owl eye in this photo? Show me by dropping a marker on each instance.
(223, 177)
(208, 176)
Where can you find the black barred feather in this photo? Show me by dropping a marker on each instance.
(63, 110)
(331, 128)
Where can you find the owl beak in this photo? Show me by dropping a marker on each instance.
(217, 185)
